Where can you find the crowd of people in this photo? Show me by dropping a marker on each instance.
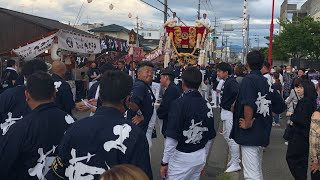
(41, 139)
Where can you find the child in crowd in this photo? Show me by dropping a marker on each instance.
(277, 86)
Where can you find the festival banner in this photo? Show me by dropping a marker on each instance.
(75, 42)
(81, 61)
(153, 54)
(32, 50)
(114, 44)
(138, 53)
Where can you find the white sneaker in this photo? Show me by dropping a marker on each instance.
(233, 168)
(231, 161)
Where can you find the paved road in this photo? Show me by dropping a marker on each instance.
(274, 163)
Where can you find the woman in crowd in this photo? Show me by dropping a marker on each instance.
(239, 72)
(298, 148)
(314, 141)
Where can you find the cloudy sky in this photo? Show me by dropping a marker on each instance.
(98, 11)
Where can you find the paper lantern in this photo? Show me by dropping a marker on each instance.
(89, 1)
(55, 52)
(129, 15)
(111, 6)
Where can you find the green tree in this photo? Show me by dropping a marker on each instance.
(299, 39)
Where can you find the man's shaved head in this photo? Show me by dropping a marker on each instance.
(59, 68)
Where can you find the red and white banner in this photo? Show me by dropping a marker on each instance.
(32, 50)
(153, 55)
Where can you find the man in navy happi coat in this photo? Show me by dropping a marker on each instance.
(97, 143)
(13, 100)
(252, 120)
(189, 132)
(28, 146)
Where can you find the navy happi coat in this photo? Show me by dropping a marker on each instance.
(263, 99)
(190, 122)
(28, 146)
(95, 144)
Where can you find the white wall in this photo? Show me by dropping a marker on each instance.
(150, 33)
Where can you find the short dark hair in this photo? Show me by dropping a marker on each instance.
(276, 75)
(223, 66)
(40, 86)
(297, 82)
(255, 60)
(122, 62)
(33, 66)
(192, 77)
(302, 69)
(106, 67)
(266, 64)
(145, 63)
(239, 70)
(115, 86)
(11, 63)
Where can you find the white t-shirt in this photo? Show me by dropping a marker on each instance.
(269, 78)
(175, 19)
(220, 85)
(206, 21)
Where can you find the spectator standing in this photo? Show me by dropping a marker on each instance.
(9, 76)
(239, 72)
(265, 72)
(298, 148)
(314, 141)
(121, 66)
(288, 77)
(93, 72)
(277, 86)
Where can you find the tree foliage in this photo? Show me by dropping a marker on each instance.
(299, 39)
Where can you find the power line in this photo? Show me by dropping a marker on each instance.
(153, 6)
(171, 11)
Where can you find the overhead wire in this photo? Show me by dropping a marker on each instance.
(171, 11)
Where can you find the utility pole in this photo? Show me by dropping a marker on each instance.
(199, 10)
(230, 49)
(165, 11)
(226, 56)
(248, 40)
(137, 31)
(215, 40)
(222, 46)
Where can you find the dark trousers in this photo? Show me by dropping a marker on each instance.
(297, 156)
(315, 176)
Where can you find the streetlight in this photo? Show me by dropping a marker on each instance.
(258, 39)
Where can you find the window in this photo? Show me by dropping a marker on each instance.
(149, 34)
(143, 34)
